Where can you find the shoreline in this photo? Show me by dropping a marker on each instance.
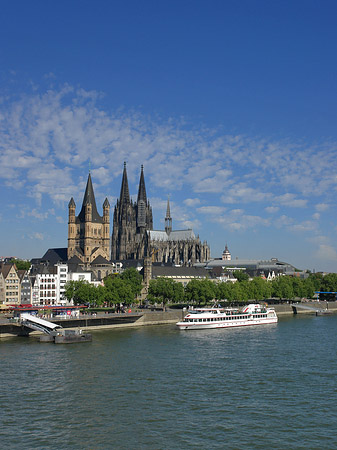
(140, 319)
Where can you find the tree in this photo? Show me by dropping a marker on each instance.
(240, 275)
(80, 292)
(282, 287)
(20, 264)
(118, 291)
(259, 289)
(200, 291)
(134, 279)
(164, 290)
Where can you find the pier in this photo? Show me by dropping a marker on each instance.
(135, 319)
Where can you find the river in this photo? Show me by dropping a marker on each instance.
(158, 388)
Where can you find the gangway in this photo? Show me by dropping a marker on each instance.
(315, 310)
(35, 323)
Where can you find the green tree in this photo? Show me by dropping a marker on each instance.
(80, 292)
(222, 290)
(200, 291)
(282, 287)
(259, 289)
(164, 290)
(118, 291)
(134, 279)
(20, 264)
(241, 275)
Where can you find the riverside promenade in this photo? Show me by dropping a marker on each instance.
(138, 318)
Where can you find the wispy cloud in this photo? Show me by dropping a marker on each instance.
(45, 136)
(49, 139)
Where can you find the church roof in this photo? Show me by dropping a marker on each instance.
(89, 198)
(100, 260)
(75, 260)
(173, 271)
(55, 255)
(179, 235)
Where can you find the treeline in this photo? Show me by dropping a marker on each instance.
(123, 288)
(201, 292)
(126, 287)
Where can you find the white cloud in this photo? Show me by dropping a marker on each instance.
(291, 200)
(47, 140)
(211, 210)
(36, 236)
(192, 202)
(326, 252)
(322, 207)
(272, 209)
(304, 226)
(238, 220)
(241, 193)
(37, 214)
(283, 221)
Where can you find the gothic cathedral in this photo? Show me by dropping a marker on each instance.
(133, 236)
(131, 222)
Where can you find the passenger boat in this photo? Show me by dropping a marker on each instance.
(217, 317)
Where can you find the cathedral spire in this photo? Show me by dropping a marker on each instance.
(168, 220)
(89, 199)
(141, 201)
(141, 189)
(124, 196)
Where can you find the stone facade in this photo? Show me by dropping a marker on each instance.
(10, 285)
(180, 247)
(89, 233)
(133, 237)
(131, 222)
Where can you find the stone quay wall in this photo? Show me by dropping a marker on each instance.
(107, 321)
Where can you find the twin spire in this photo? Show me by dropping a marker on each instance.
(125, 194)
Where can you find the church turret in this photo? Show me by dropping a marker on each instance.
(124, 197)
(141, 201)
(226, 255)
(71, 227)
(168, 220)
(89, 198)
(106, 226)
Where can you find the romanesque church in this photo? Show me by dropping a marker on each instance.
(133, 236)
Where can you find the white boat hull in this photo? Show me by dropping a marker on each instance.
(230, 324)
(216, 317)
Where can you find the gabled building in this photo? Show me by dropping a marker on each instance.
(26, 287)
(10, 286)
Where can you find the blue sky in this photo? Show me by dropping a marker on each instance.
(229, 105)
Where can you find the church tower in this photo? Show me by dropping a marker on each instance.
(89, 233)
(130, 222)
(226, 254)
(168, 219)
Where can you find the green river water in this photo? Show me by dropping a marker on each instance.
(262, 387)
